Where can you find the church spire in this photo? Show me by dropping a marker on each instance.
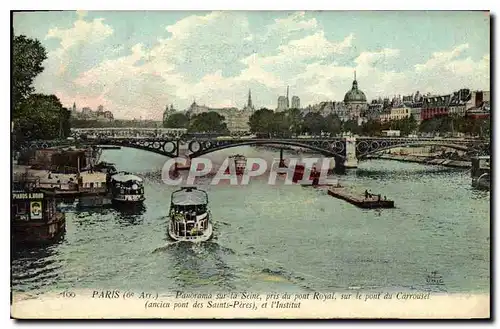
(249, 104)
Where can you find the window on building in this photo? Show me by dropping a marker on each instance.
(21, 208)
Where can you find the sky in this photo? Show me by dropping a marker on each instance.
(135, 63)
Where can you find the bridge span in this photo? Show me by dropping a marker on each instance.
(128, 132)
(346, 151)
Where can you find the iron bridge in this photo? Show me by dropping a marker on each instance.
(330, 147)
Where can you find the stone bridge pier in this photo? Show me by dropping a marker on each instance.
(351, 160)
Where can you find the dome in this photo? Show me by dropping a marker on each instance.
(354, 95)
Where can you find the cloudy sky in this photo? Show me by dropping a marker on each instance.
(134, 63)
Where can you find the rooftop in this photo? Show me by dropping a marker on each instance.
(126, 177)
(189, 197)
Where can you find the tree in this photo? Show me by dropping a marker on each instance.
(65, 122)
(429, 125)
(371, 128)
(35, 116)
(295, 120)
(176, 120)
(43, 118)
(280, 125)
(208, 122)
(314, 123)
(27, 58)
(351, 126)
(333, 124)
(406, 125)
(260, 121)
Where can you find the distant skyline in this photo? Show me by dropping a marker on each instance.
(135, 63)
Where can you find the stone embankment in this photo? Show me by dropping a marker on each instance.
(429, 160)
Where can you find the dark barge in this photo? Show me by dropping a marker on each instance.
(360, 201)
(34, 218)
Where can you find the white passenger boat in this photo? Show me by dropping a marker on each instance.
(189, 217)
(127, 188)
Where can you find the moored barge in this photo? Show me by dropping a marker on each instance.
(35, 218)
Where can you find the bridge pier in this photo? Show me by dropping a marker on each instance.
(332, 164)
(282, 160)
(351, 161)
(339, 165)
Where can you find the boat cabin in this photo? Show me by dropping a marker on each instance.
(32, 206)
(189, 212)
(127, 187)
(106, 167)
(480, 172)
(92, 182)
(480, 165)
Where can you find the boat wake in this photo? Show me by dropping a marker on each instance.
(196, 247)
(166, 246)
(271, 270)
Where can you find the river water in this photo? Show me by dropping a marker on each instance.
(277, 238)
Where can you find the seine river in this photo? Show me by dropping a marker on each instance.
(278, 238)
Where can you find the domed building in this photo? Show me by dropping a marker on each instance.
(355, 95)
(355, 102)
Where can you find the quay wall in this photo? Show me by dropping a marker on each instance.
(423, 159)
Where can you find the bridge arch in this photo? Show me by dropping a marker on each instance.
(361, 155)
(222, 146)
(153, 146)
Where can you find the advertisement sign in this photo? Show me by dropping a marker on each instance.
(36, 210)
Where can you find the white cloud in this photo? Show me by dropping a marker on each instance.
(367, 58)
(313, 46)
(440, 58)
(294, 22)
(208, 57)
(185, 27)
(112, 71)
(82, 32)
(190, 37)
(445, 71)
(442, 73)
(81, 13)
